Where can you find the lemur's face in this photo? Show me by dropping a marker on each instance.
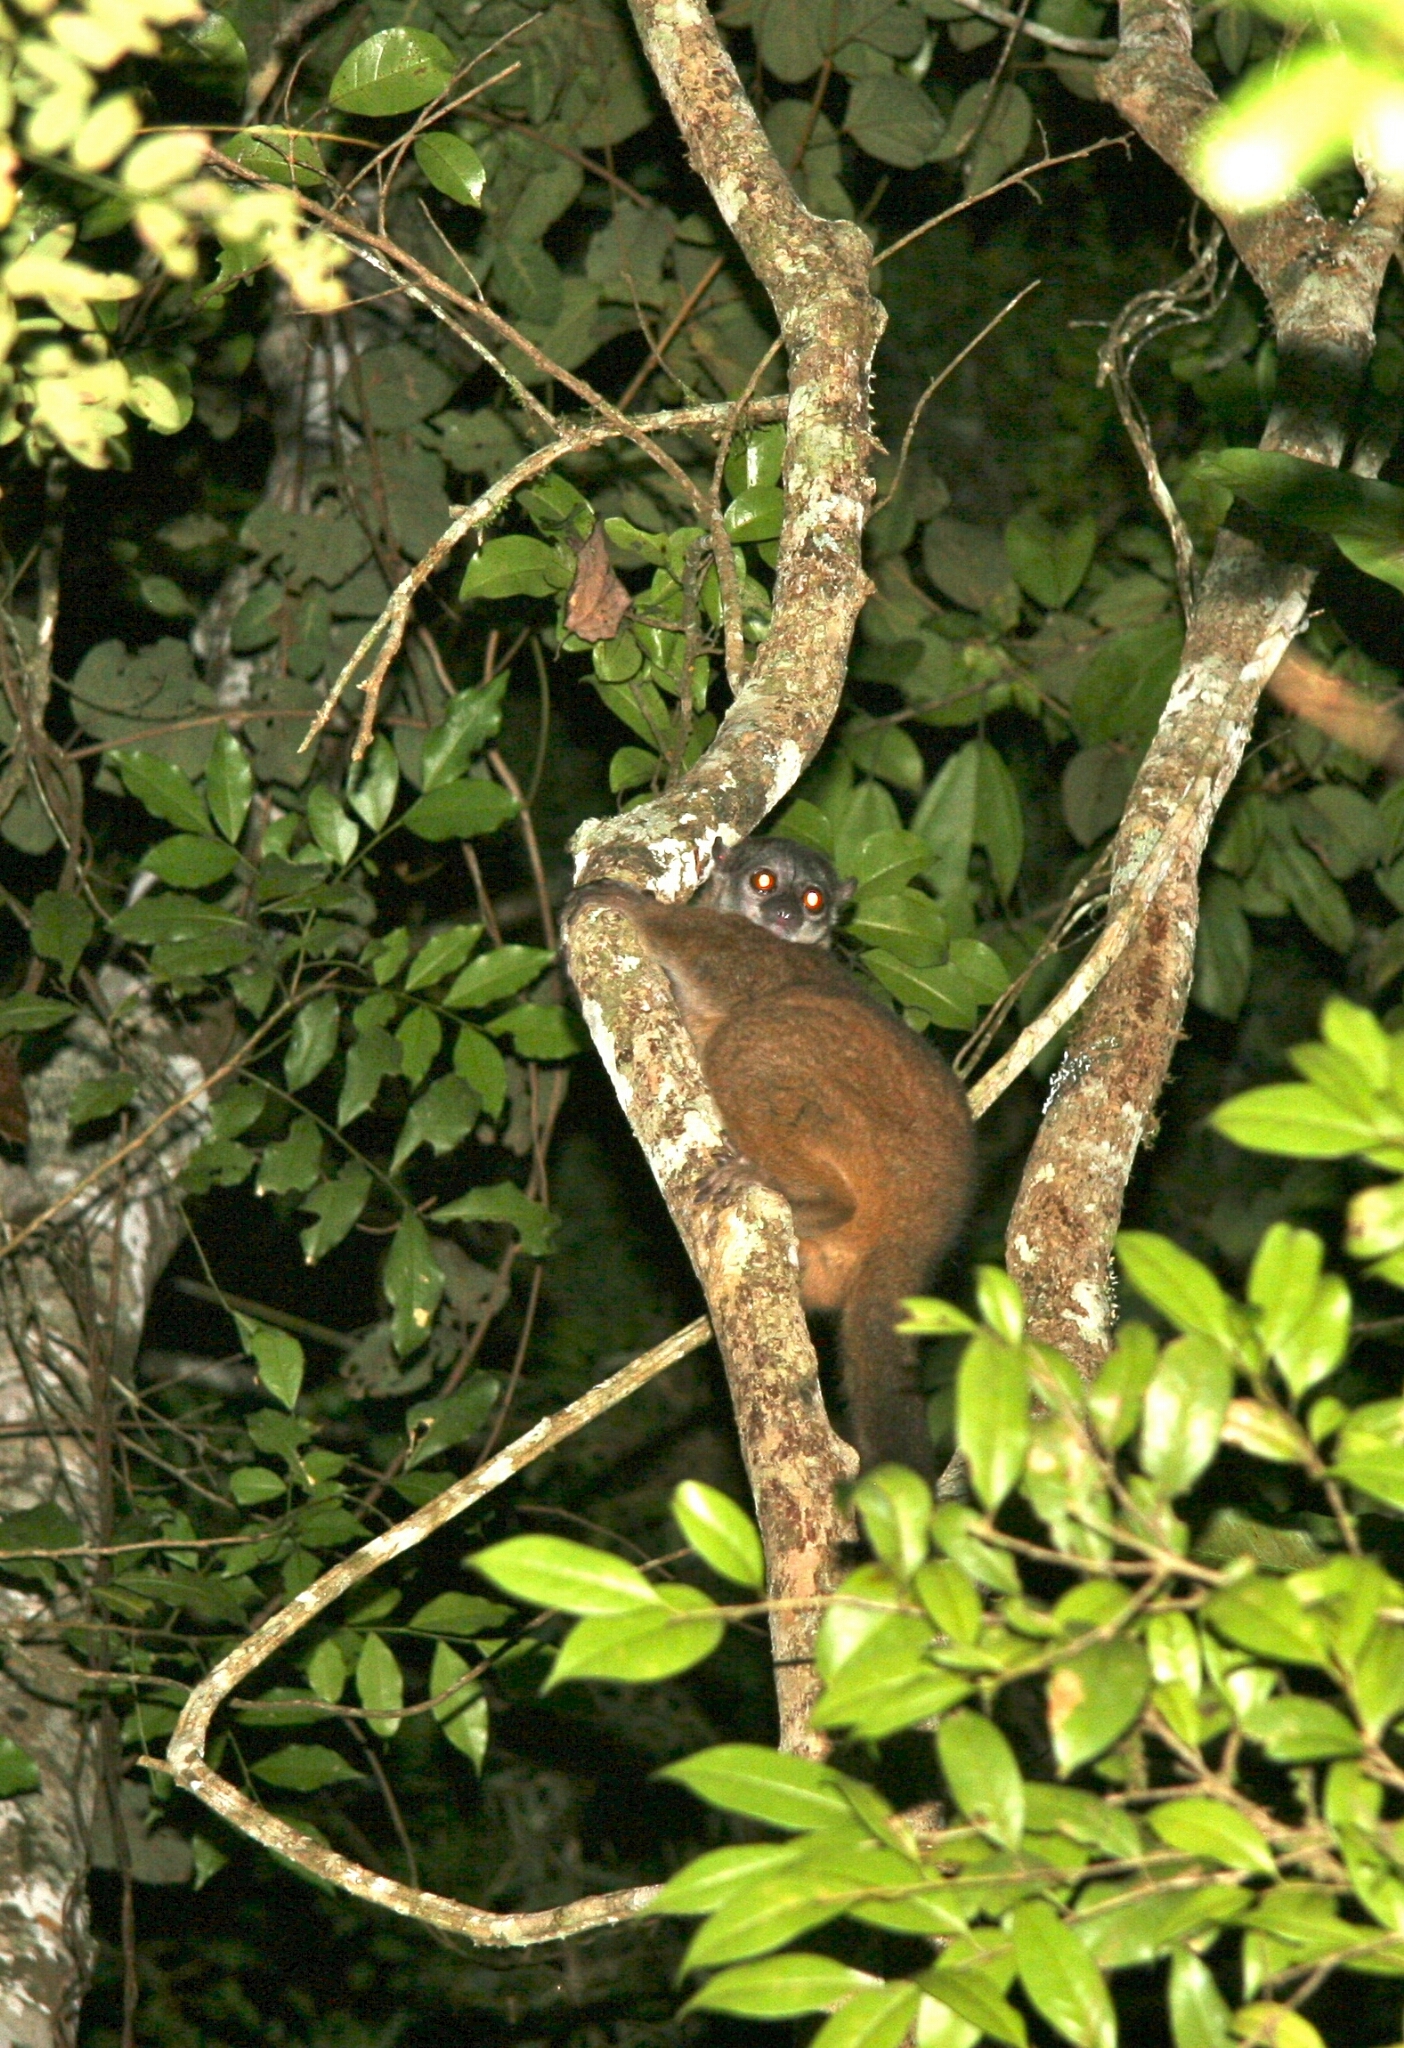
(785, 888)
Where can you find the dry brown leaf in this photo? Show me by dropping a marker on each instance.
(598, 600)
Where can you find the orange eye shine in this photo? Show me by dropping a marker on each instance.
(814, 899)
(763, 881)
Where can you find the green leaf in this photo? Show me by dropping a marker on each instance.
(252, 1485)
(872, 2019)
(452, 166)
(541, 1031)
(304, 1767)
(1083, 1817)
(551, 1571)
(1207, 1827)
(1094, 1698)
(62, 927)
(331, 829)
(643, 1645)
(927, 1317)
(392, 73)
(101, 1097)
(952, 1527)
(780, 1988)
(720, 1532)
(1000, 1303)
(1292, 1118)
(895, 1508)
(1115, 1396)
(420, 1035)
(942, 992)
(892, 118)
(294, 1163)
(278, 1356)
(516, 565)
(470, 720)
(505, 1203)
(18, 1772)
(907, 925)
(983, 1776)
(1183, 1412)
(1262, 1615)
(161, 393)
(1377, 1682)
(788, 1900)
(312, 1041)
(1199, 2017)
(414, 1284)
(326, 1671)
(279, 154)
(974, 1995)
(499, 973)
(1265, 1432)
(463, 1716)
(785, 1791)
(1184, 1291)
(1312, 1349)
(1048, 562)
(459, 1614)
(755, 514)
(371, 787)
(992, 1415)
(1303, 493)
(22, 1014)
(336, 1204)
(1061, 1979)
(380, 1684)
(477, 1061)
(443, 954)
(161, 788)
(891, 1685)
(448, 1419)
(190, 860)
(1223, 953)
(459, 810)
(199, 959)
(372, 1055)
(999, 820)
(440, 1118)
(1293, 1730)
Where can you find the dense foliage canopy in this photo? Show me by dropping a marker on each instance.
(396, 473)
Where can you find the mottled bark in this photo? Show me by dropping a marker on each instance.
(1321, 279)
(815, 273)
(73, 1301)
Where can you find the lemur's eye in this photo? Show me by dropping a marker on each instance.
(763, 881)
(813, 901)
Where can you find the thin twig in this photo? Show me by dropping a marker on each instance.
(1019, 177)
(935, 385)
(1193, 299)
(394, 616)
(185, 1754)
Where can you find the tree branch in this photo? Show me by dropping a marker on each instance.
(1322, 280)
(815, 274)
(186, 1750)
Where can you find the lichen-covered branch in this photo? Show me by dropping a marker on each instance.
(72, 1307)
(815, 274)
(1321, 279)
(185, 1753)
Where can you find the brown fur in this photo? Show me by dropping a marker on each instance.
(857, 1122)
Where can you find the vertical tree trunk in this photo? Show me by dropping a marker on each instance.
(73, 1300)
